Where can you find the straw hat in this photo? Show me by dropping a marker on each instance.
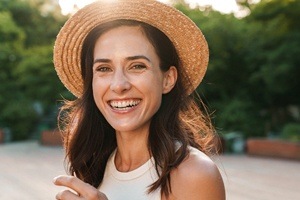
(188, 40)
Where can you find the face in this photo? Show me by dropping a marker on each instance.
(127, 81)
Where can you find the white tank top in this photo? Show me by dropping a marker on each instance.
(131, 185)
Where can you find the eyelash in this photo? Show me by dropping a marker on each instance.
(102, 69)
(108, 69)
(139, 66)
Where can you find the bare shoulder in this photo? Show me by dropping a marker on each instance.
(197, 177)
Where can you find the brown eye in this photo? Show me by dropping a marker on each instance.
(103, 69)
(139, 66)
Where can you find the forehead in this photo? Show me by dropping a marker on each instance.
(130, 39)
(122, 32)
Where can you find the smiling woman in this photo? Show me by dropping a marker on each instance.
(135, 127)
(129, 59)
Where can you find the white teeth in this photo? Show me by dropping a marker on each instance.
(124, 104)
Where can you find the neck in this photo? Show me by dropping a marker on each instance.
(132, 151)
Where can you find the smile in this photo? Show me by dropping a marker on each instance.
(123, 105)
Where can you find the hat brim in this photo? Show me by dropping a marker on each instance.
(187, 38)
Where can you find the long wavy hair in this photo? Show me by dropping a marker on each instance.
(89, 139)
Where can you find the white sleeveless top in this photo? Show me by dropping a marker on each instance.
(131, 185)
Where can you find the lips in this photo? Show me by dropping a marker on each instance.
(123, 104)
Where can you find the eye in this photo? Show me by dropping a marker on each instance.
(103, 69)
(138, 67)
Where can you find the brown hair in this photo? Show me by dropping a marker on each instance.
(89, 139)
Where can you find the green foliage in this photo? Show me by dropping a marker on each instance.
(252, 77)
(11, 47)
(226, 85)
(11, 39)
(278, 45)
(36, 73)
(29, 86)
(291, 132)
(20, 117)
(253, 73)
(40, 27)
(239, 115)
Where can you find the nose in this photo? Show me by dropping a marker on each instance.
(119, 82)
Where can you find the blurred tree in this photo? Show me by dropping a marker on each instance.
(229, 75)
(39, 19)
(37, 78)
(226, 86)
(253, 72)
(276, 59)
(14, 110)
(29, 86)
(252, 78)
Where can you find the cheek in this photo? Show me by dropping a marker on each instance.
(98, 91)
(94, 87)
(98, 84)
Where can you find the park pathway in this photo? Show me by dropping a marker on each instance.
(27, 170)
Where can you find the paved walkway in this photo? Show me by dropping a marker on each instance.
(27, 170)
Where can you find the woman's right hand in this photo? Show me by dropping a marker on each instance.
(81, 190)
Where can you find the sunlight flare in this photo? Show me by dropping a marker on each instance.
(224, 6)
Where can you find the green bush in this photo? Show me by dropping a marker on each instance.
(238, 115)
(291, 132)
(21, 119)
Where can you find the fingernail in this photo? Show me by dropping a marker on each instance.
(54, 180)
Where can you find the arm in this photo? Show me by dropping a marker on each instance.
(197, 177)
(82, 189)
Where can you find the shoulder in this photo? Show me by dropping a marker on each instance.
(197, 177)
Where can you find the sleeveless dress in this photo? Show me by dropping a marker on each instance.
(131, 185)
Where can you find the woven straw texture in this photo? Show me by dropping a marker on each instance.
(187, 38)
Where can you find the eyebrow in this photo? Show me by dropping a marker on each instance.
(130, 58)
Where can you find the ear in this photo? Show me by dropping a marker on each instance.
(170, 78)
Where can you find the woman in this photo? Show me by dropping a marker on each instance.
(134, 132)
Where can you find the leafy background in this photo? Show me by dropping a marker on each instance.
(251, 86)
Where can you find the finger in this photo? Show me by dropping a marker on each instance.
(66, 195)
(75, 184)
